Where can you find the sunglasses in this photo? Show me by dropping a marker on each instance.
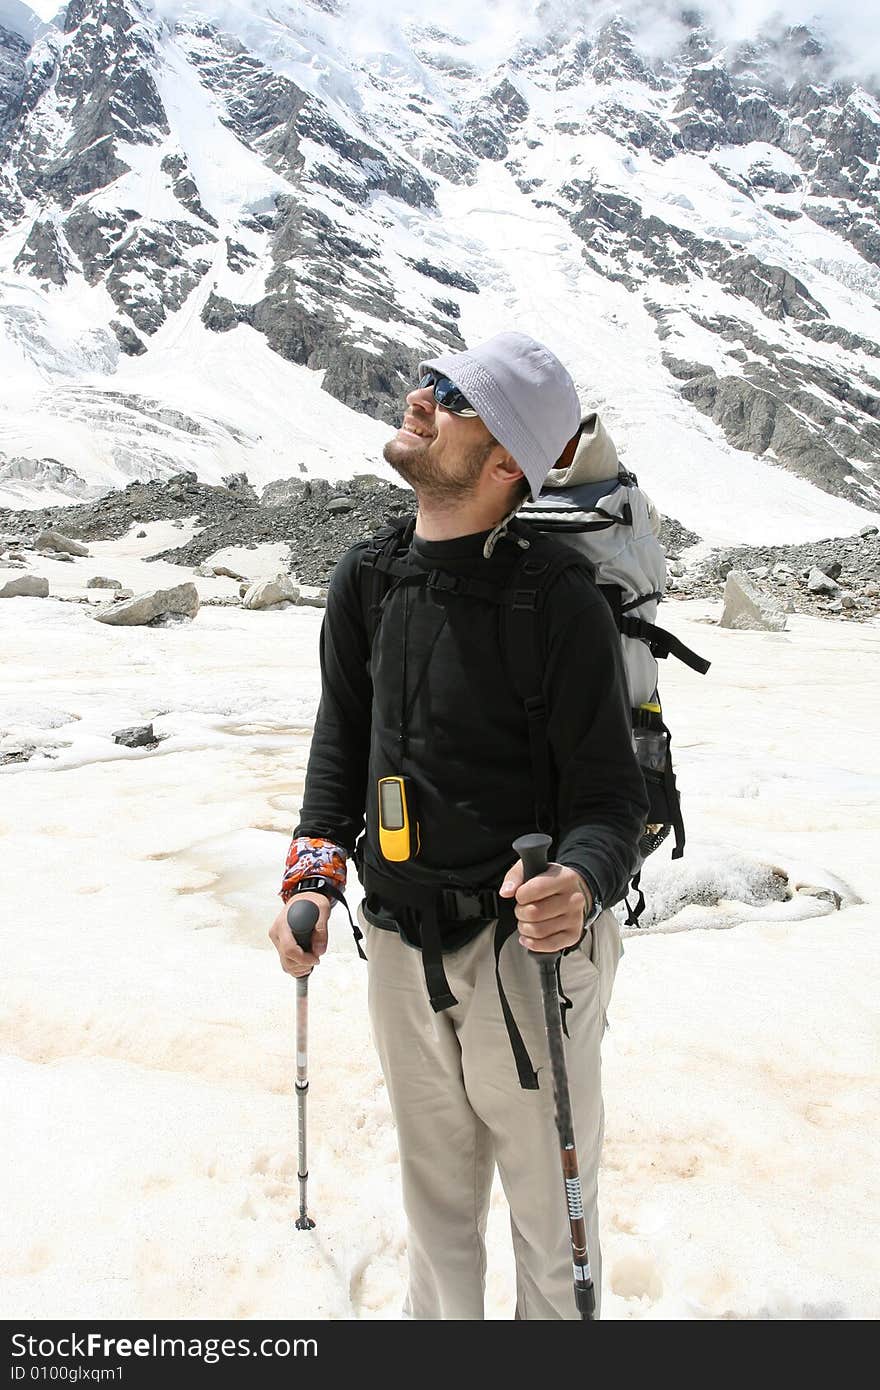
(447, 394)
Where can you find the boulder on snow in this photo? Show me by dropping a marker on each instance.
(99, 582)
(139, 736)
(224, 572)
(747, 609)
(62, 545)
(181, 601)
(26, 586)
(818, 582)
(266, 593)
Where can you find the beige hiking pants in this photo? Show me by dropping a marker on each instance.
(459, 1110)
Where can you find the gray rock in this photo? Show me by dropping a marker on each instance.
(61, 557)
(819, 583)
(746, 608)
(141, 535)
(835, 606)
(181, 601)
(267, 593)
(204, 571)
(337, 505)
(238, 482)
(833, 568)
(868, 531)
(139, 736)
(122, 594)
(127, 339)
(311, 602)
(99, 582)
(43, 255)
(224, 572)
(61, 545)
(18, 755)
(826, 895)
(26, 586)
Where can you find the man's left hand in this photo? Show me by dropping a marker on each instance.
(549, 908)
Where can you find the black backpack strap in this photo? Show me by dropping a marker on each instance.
(565, 522)
(672, 797)
(635, 910)
(528, 1077)
(654, 595)
(662, 643)
(523, 649)
(374, 571)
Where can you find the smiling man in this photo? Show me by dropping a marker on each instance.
(426, 763)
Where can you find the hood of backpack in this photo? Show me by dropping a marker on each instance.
(595, 457)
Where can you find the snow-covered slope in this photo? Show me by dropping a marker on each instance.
(228, 233)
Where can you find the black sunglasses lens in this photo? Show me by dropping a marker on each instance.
(446, 393)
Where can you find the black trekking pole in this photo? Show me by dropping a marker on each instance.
(532, 850)
(301, 918)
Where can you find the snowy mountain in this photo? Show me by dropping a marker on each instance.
(228, 232)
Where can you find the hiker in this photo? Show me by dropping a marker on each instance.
(425, 765)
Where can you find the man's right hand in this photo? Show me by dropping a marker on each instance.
(293, 960)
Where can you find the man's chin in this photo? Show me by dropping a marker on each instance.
(403, 453)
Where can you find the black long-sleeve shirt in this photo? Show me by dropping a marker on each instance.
(434, 702)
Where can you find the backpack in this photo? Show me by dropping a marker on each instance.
(591, 503)
(609, 527)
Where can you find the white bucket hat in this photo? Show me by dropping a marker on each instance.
(523, 395)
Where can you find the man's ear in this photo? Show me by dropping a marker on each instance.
(505, 467)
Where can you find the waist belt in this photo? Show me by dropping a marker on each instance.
(455, 905)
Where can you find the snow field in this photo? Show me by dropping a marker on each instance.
(147, 1031)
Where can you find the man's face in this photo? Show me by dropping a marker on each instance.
(439, 454)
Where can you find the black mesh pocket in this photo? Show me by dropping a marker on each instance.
(660, 811)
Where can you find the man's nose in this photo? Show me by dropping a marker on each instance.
(423, 397)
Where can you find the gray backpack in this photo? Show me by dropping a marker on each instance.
(593, 504)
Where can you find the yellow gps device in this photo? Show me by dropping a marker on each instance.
(398, 828)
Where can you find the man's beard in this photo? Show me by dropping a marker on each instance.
(430, 482)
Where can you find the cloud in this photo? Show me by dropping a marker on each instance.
(847, 29)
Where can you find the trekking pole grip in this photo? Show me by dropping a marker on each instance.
(301, 918)
(532, 850)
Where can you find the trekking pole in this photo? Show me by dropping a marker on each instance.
(301, 918)
(532, 850)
